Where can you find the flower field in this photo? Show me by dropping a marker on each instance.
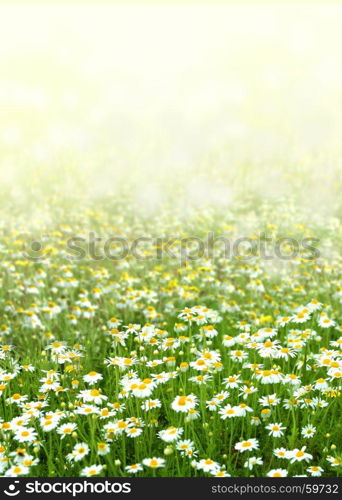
(185, 365)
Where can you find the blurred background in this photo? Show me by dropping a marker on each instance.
(203, 102)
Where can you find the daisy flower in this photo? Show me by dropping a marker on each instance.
(281, 453)
(25, 435)
(315, 470)
(154, 462)
(308, 431)
(277, 473)
(150, 404)
(184, 403)
(92, 396)
(170, 434)
(250, 444)
(252, 462)
(66, 429)
(325, 322)
(297, 455)
(232, 382)
(229, 411)
(220, 473)
(246, 391)
(271, 400)
(208, 465)
(334, 461)
(185, 445)
(276, 430)
(92, 470)
(103, 448)
(134, 468)
(133, 432)
(79, 451)
(17, 470)
(92, 377)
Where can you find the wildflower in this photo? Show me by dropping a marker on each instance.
(246, 391)
(220, 473)
(133, 432)
(334, 461)
(150, 404)
(232, 382)
(66, 429)
(281, 453)
(250, 444)
(271, 400)
(252, 462)
(185, 445)
(315, 470)
(276, 430)
(17, 470)
(297, 455)
(308, 431)
(134, 468)
(153, 463)
(184, 403)
(92, 377)
(25, 435)
(92, 470)
(208, 465)
(325, 322)
(79, 451)
(229, 411)
(92, 396)
(277, 473)
(170, 434)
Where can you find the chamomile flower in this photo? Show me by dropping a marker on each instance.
(315, 470)
(79, 451)
(298, 455)
(252, 462)
(103, 448)
(281, 453)
(66, 429)
(25, 435)
(277, 473)
(133, 432)
(92, 377)
(17, 470)
(232, 382)
(92, 470)
(229, 411)
(276, 430)
(325, 322)
(92, 396)
(334, 461)
(151, 404)
(208, 465)
(308, 431)
(134, 468)
(154, 463)
(184, 403)
(250, 444)
(170, 434)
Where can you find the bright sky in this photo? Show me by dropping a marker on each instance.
(156, 88)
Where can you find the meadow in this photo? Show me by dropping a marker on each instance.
(171, 363)
(170, 239)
